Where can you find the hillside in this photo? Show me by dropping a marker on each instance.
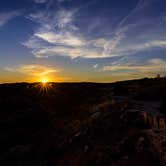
(119, 124)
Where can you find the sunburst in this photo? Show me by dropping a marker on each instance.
(43, 86)
(44, 81)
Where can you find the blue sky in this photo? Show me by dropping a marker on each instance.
(82, 40)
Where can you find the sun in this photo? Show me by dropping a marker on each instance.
(44, 81)
(44, 86)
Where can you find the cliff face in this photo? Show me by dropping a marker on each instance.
(118, 124)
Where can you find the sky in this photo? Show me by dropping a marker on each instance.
(82, 40)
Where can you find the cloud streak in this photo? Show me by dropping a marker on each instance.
(66, 38)
(32, 69)
(5, 17)
(154, 65)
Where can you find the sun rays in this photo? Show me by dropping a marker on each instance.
(43, 86)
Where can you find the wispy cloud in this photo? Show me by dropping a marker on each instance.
(40, 1)
(133, 48)
(60, 35)
(48, 19)
(32, 69)
(154, 65)
(7, 16)
(66, 38)
(64, 17)
(45, 52)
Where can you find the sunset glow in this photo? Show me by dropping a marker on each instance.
(44, 81)
(83, 82)
(82, 41)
